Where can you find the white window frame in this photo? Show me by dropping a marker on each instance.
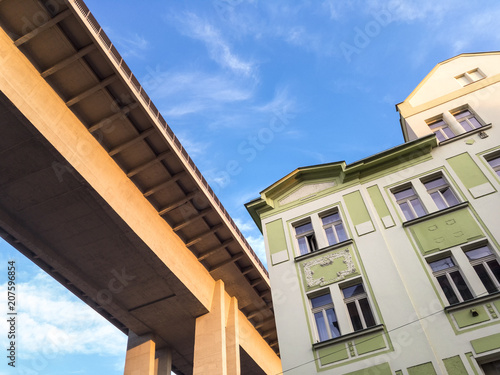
(469, 78)
(467, 118)
(334, 227)
(438, 126)
(484, 262)
(322, 309)
(309, 237)
(356, 299)
(408, 200)
(493, 157)
(440, 191)
(447, 273)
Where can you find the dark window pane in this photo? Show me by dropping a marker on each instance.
(434, 183)
(323, 300)
(303, 228)
(462, 287)
(495, 162)
(353, 290)
(311, 239)
(303, 246)
(495, 268)
(462, 114)
(331, 218)
(404, 193)
(449, 196)
(466, 125)
(442, 264)
(449, 133)
(478, 253)
(367, 312)
(485, 278)
(438, 199)
(405, 207)
(417, 206)
(341, 232)
(333, 323)
(440, 137)
(320, 324)
(332, 240)
(474, 122)
(355, 319)
(447, 289)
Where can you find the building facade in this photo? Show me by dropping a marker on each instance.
(390, 265)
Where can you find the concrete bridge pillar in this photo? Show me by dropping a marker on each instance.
(163, 362)
(140, 358)
(216, 345)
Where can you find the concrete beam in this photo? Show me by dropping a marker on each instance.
(27, 37)
(64, 63)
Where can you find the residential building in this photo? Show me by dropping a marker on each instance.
(390, 265)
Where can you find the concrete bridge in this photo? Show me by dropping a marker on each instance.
(97, 190)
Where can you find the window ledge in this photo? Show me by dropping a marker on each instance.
(465, 135)
(349, 336)
(435, 214)
(324, 250)
(471, 302)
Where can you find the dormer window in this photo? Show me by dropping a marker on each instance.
(441, 129)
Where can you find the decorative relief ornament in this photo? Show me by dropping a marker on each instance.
(325, 261)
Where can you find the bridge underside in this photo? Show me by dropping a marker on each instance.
(51, 215)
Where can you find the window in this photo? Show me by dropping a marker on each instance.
(358, 308)
(451, 281)
(409, 203)
(486, 266)
(467, 120)
(334, 229)
(306, 238)
(441, 193)
(469, 77)
(324, 316)
(494, 163)
(491, 368)
(441, 129)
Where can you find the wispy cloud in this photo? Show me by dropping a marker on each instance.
(131, 45)
(56, 324)
(218, 47)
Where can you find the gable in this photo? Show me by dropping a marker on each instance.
(306, 191)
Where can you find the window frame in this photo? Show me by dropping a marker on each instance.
(472, 114)
(440, 189)
(491, 157)
(469, 78)
(447, 272)
(323, 310)
(356, 300)
(485, 262)
(333, 226)
(408, 201)
(440, 131)
(310, 237)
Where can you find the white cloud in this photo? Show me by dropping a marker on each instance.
(53, 323)
(257, 244)
(218, 48)
(128, 45)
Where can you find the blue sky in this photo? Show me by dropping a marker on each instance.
(254, 90)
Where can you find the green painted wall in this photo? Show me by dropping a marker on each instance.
(423, 369)
(378, 201)
(367, 344)
(399, 372)
(357, 208)
(467, 170)
(276, 236)
(445, 231)
(486, 343)
(464, 317)
(382, 369)
(332, 354)
(497, 304)
(455, 366)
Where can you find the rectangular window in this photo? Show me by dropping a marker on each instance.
(469, 77)
(441, 129)
(325, 318)
(451, 281)
(468, 120)
(358, 307)
(441, 193)
(409, 202)
(334, 228)
(491, 368)
(494, 162)
(306, 238)
(486, 266)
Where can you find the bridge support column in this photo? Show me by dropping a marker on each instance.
(233, 339)
(216, 345)
(163, 362)
(140, 359)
